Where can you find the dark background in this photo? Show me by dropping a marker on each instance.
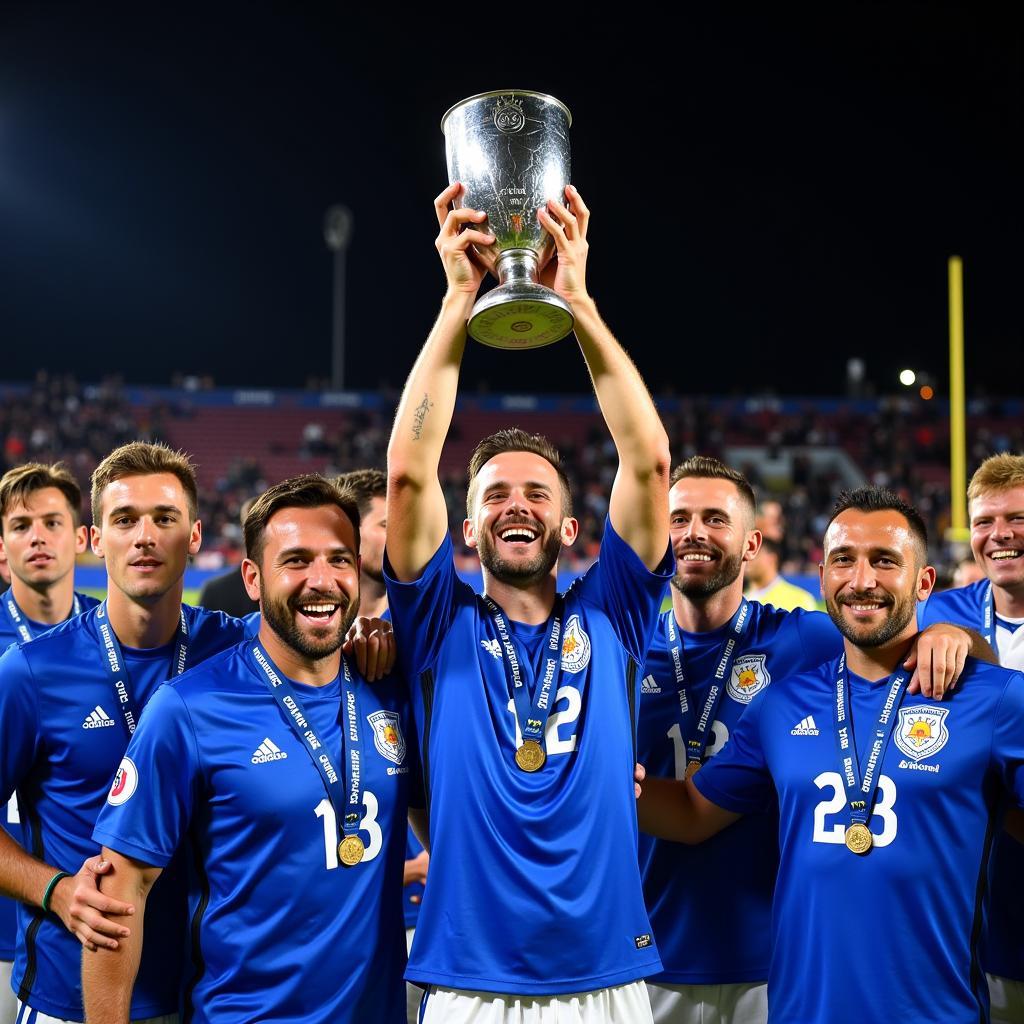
(769, 197)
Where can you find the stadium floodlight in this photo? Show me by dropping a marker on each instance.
(907, 377)
(337, 235)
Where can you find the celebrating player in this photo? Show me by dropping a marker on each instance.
(69, 702)
(713, 652)
(869, 786)
(525, 697)
(40, 511)
(287, 776)
(995, 606)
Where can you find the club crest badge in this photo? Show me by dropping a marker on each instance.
(126, 781)
(508, 115)
(749, 677)
(575, 646)
(387, 735)
(921, 731)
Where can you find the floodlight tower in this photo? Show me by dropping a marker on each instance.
(337, 235)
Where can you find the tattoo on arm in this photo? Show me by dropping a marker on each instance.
(419, 415)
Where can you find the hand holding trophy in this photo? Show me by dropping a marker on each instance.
(509, 151)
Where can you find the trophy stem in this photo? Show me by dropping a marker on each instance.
(517, 266)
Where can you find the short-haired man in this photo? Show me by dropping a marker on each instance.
(869, 786)
(370, 487)
(69, 702)
(713, 652)
(525, 698)
(286, 776)
(766, 586)
(994, 605)
(41, 533)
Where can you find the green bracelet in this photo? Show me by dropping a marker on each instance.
(50, 886)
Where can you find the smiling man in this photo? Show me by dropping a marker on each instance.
(994, 605)
(525, 698)
(69, 702)
(41, 535)
(286, 777)
(869, 785)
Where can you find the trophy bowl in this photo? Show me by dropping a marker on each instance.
(510, 151)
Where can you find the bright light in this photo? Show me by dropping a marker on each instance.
(907, 377)
(927, 393)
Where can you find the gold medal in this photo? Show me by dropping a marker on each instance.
(859, 839)
(530, 756)
(351, 850)
(692, 767)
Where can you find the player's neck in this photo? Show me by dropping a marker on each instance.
(144, 623)
(297, 666)
(1009, 601)
(373, 597)
(876, 664)
(530, 605)
(704, 614)
(50, 604)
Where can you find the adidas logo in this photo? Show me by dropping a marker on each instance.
(268, 751)
(649, 685)
(97, 719)
(805, 727)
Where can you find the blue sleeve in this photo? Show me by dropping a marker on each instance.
(422, 611)
(820, 641)
(627, 590)
(19, 721)
(152, 796)
(1008, 738)
(737, 777)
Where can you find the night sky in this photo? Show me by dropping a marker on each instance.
(768, 198)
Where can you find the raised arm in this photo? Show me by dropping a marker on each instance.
(108, 975)
(639, 499)
(417, 514)
(677, 811)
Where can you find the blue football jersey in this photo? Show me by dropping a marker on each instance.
(710, 905)
(280, 930)
(12, 632)
(1003, 947)
(534, 885)
(890, 935)
(63, 740)
(413, 848)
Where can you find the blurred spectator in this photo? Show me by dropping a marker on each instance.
(967, 571)
(764, 583)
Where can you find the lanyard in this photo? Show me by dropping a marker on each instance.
(862, 788)
(21, 622)
(119, 670)
(346, 810)
(697, 741)
(532, 715)
(988, 620)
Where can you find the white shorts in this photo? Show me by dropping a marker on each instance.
(8, 1004)
(26, 1015)
(413, 993)
(709, 1004)
(623, 1004)
(1007, 995)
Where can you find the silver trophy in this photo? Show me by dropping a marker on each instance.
(510, 150)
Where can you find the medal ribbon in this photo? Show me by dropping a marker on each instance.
(861, 789)
(988, 620)
(21, 622)
(348, 813)
(531, 715)
(697, 741)
(119, 669)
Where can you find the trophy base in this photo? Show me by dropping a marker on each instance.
(520, 315)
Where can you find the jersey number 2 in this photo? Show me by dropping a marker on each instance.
(567, 716)
(836, 834)
(369, 824)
